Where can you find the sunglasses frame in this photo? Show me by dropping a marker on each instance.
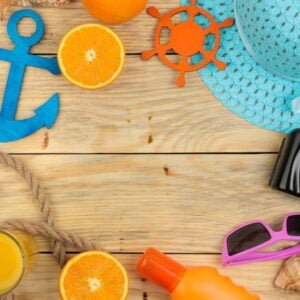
(254, 254)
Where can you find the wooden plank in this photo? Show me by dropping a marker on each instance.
(142, 112)
(179, 203)
(136, 34)
(257, 278)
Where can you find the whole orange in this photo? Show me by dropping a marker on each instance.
(114, 11)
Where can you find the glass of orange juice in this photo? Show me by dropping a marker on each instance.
(17, 255)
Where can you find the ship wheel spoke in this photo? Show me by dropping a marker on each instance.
(209, 29)
(183, 61)
(180, 81)
(212, 28)
(210, 56)
(205, 53)
(226, 23)
(168, 23)
(192, 13)
(165, 48)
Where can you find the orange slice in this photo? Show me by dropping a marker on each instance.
(93, 275)
(91, 56)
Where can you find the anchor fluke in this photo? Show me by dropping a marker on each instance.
(48, 112)
(45, 116)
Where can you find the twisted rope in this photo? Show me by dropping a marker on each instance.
(39, 197)
(43, 229)
(58, 238)
(4, 4)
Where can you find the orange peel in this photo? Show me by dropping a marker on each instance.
(93, 275)
(91, 56)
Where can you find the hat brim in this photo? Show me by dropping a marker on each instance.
(245, 87)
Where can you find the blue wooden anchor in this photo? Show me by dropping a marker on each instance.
(19, 58)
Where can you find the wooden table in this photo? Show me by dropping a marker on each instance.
(141, 163)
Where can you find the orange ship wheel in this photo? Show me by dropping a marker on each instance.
(187, 38)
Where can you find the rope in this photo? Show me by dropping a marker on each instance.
(43, 229)
(59, 239)
(4, 4)
(30, 3)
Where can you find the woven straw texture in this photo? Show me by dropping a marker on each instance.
(245, 87)
(271, 32)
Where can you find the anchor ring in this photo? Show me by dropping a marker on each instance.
(16, 37)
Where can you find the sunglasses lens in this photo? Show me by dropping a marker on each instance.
(247, 238)
(293, 225)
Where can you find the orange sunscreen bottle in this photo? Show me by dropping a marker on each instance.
(197, 283)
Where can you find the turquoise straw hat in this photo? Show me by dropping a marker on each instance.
(262, 80)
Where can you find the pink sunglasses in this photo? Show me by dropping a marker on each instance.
(244, 243)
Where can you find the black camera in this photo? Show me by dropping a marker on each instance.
(286, 173)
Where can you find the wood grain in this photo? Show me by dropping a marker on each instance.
(136, 34)
(180, 203)
(257, 278)
(142, 112)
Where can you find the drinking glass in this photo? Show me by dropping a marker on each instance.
(17, 255)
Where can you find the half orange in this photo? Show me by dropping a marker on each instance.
(93, 275)
(91, 56)
(114, 11)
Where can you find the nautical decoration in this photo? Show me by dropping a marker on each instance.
(187, 39)
(19, 58)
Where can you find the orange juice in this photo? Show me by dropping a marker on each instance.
(16, 255)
